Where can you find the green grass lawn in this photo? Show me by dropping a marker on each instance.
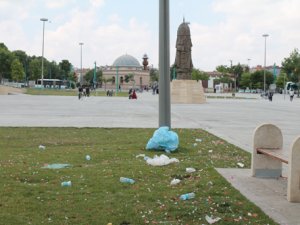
(68, 92)
(31, 194)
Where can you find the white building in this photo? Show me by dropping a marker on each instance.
(124, 67)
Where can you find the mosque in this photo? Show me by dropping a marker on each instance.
(126, 72)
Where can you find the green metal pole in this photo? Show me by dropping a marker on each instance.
(164, 64)
(94, 79)
(274, 72)
(117, 79)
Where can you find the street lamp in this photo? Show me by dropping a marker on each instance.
(80, 78)
(265, 36)
(249, 64)
(94, 78)
(249, 72)
(43, 20)
(164, 64)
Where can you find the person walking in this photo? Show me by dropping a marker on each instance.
(270, 96)
(80, 90)
(291, 94)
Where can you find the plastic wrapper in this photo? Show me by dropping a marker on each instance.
(161, 160)
(56, 166)
(163, 139)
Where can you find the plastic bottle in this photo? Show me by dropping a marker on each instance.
(126, 180)
(66, 184)
(187, 196)
(190, 170)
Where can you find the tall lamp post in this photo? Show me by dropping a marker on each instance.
(265, 36)
(164, 64)
(43, 20)
(249, 64)
(94, 78)
(80, 78)
(249, 72)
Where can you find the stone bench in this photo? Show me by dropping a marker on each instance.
(268, 156)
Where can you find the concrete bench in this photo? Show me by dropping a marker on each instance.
(268, 156)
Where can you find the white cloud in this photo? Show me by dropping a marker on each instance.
(97, 3)
(114, 18)
(54, 4)
(239, 36)
(101, 43)
(107, 34)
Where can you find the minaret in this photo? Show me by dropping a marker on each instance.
(145, 62)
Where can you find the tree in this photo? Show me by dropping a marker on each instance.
(223, 69)
(129, 77)
(199, 75)
(237, 70)
(89, 76)
(17, 70)
(35, 69)
(281, 80)
(245, 80)
(291, 66)
(23, 58)
(153, 74)
(3, 46)
(53, 70)
(6, 59)
(257, 79)
(106, 80)
(65, 67)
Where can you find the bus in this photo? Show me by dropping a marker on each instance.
(50, 83)
(291, 85)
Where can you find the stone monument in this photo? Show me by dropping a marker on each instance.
(183, 88)
(183, 61)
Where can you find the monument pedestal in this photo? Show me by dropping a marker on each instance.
(187, 92)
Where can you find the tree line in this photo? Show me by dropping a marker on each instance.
(290, 71)
(19, 67)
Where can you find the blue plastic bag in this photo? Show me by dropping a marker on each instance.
(163, 139)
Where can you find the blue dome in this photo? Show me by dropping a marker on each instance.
(126, 61)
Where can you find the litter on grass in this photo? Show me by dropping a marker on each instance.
(240, 165)
(163, 139)
(56, 166)
(88, 157)
(161, 160)
(212, 220)
(140, 155)
(66, 183)
(175, 181)
(198, 139)
(42, 147)
(190, 170)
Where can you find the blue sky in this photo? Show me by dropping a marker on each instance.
(222, 30)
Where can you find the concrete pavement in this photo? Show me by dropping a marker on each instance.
(231, 119)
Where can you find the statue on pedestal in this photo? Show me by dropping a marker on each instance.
(183, 60)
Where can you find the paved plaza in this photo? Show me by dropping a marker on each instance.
(231, 119)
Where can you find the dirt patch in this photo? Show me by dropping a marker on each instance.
(5, 90)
